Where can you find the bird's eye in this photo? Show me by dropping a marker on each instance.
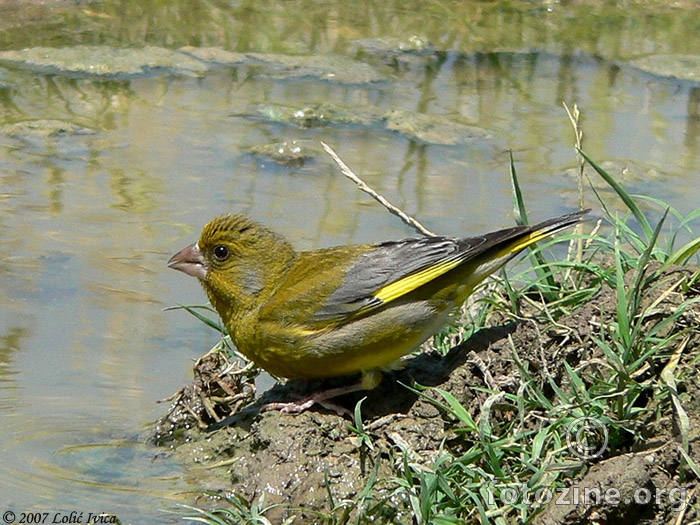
(221, 252)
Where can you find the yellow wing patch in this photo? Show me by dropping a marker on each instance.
(411, 282)
(522, 243)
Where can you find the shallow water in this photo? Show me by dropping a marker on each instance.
(107, 171)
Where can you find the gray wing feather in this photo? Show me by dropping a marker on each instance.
(386, 263)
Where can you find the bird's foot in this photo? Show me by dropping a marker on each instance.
(318, 398)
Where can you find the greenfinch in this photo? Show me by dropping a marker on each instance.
(346, 309)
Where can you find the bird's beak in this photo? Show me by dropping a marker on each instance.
(190, 261)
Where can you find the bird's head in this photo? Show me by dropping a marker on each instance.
(235, 259)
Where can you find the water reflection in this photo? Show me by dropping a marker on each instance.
(102, 177)
(64, 466)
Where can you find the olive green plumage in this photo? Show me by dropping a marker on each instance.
(335, 311)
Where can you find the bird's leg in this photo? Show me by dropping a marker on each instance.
(369, 381)
(317, 398)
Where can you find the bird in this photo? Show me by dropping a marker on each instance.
(346, 309)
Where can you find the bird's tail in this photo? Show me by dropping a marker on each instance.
(508, 243)
(548, 227)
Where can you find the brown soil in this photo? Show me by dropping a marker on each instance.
(298, 460)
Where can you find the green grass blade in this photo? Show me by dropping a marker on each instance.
(637, 287)
(626, 198)
(519, 210)
(577, 383)
(682, 255)
(623, 309)
(458, 409)
(212, 323)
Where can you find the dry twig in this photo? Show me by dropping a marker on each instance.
(345, 170)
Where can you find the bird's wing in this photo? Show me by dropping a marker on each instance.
(392, 269)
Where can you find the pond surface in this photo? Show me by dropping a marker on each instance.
(125, 126)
